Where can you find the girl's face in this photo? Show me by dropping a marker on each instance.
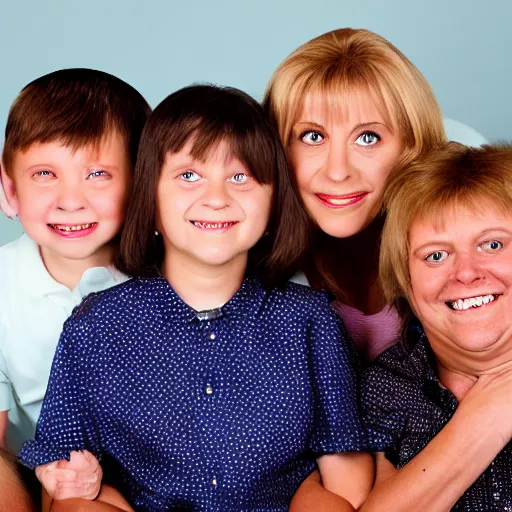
(341, 158)
(210, 212)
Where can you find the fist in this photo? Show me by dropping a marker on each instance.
(78, 478)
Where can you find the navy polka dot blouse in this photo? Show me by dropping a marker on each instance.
(214, 411)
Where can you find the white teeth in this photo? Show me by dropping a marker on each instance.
(473, 302)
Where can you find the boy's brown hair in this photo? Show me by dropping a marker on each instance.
(430, 188)
(75, 106)
(208, 115)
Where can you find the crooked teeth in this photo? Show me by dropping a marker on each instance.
(213, 225)
(77, 227)
(473, 302)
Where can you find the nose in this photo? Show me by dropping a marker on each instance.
(467, 269)
(338, 165)
(70, 197)
(216, 195)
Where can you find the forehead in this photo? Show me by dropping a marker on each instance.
(220, 153)
(457, 222)
(112, 145)
(353, 106)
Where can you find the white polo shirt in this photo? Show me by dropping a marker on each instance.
(33, 308)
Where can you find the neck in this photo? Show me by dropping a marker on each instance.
(352, 266)
(204, 286)
(69, 271)
(460, 368)
(458, 383)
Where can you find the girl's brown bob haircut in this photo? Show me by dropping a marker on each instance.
(207, 115)
(76, 106)
(434, 187)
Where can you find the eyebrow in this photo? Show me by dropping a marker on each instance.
(449, 242)
(357, 127)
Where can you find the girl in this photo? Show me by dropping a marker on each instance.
(207, 381)
(349, 107)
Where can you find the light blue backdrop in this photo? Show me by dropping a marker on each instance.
(462, 46)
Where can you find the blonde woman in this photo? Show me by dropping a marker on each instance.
(349, 107)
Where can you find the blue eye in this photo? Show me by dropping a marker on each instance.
(437, 257)
(368, 139)
(239, 177)
(492, 246)
(312, 137)
(97, 173)
(190, 176)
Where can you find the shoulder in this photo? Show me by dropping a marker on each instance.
(398, 374)
(303, 300)
(10, 256)
(121, 300)
(12, 250)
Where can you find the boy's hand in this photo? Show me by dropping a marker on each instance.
(78, 478)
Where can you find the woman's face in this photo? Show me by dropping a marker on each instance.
(461, 279)
(341, 158)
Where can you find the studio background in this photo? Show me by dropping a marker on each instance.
(461, 46)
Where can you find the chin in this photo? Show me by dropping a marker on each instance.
(340, 228)
(472, 343)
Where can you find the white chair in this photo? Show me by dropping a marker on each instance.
(460, 132)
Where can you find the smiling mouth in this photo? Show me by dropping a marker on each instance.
(341, 201)
(213, 225)
(69, 228)
(472, 302)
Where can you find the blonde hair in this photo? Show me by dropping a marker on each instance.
(339, 62)
(454, 176)
(334, 66)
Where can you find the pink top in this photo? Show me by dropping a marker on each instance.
(372, 334)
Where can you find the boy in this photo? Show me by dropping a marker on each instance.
(70, 145)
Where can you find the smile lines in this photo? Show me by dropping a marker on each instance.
(473, 302)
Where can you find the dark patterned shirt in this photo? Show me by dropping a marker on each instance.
(206, 412)
(405, 407)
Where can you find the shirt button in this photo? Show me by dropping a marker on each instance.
(209, 390)
(212, 336)
(214, 482)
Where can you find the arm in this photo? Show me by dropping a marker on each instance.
(438, 476)
(358, 468)
(67, 420)
(4, 420)
(349, 475)
(109, 500)
(339, 437)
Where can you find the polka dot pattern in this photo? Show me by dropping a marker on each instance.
(210, 412)
(405, 407)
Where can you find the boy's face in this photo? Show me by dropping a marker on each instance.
(72, 203)
(212, 212)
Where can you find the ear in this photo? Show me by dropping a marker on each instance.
(8, 196)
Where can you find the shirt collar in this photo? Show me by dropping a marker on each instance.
(246, 301)
(37, 281)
